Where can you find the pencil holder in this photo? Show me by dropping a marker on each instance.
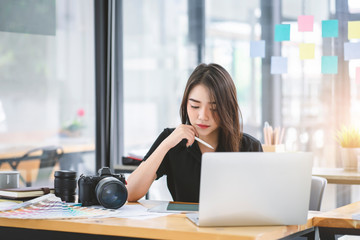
(274, 148)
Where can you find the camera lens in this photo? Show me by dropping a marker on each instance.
(111, 193)
(65, 185)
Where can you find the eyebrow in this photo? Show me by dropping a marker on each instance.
(197, 101)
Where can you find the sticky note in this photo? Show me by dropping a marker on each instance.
(282, 32)
(351, 51)
(357, 75)
(330, 28)
(329, 64)
(257, 49)
(278, 65)
(354, 29)
(307, 51)
(305, 23)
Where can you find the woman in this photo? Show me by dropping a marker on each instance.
(209, 111)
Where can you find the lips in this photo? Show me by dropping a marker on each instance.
(202, 126)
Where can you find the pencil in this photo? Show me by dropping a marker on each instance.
(203, 142)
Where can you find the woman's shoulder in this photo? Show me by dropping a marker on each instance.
(250, 144)
(164, 134)
(167, 131)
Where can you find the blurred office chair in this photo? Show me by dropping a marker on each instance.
(36, 165)
(318, 185)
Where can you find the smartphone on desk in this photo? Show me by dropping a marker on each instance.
(175, 207)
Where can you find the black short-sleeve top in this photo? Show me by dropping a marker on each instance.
(182, 166)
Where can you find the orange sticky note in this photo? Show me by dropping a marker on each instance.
(354, 29)
(307, 51)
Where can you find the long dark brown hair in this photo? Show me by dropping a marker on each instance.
(223, 93)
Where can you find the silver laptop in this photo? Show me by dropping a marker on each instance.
(254, 188)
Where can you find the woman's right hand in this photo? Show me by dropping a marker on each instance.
(183, 131)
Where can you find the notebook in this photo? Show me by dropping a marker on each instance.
(254, 188)
(25, 192)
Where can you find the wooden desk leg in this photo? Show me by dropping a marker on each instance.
(335, 233)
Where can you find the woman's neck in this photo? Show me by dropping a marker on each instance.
(212, 139)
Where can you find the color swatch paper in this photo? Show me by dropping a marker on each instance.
(354, 29)
(329, 64)
(351, 51)
(257, 49)
(51, 207)
(278, 65)
(357, 75)
(330, 28)
(307, 50)
(282, 32)
(305, 23)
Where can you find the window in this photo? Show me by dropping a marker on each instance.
(157, 63)
(47, 87)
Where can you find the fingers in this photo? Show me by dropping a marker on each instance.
(183, 131)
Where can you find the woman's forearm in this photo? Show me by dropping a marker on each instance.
(139, 182)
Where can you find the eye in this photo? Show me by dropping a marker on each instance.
(195, 107)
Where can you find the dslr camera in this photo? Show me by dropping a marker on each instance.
(106, 189)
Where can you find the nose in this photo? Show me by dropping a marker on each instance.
(203, 114)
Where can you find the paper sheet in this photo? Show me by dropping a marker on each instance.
(305, 23)
(137, 212)
(307, 51)
(329, 64)
(278, 65)
(351, 51)
(51, 207)
(257, 49)
(330, 28)
(354, 29)
(282, 32)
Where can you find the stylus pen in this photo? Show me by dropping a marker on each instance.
(205, 143)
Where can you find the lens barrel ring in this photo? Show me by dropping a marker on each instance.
(111, 192)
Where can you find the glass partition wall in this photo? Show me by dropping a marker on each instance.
(47, 119)
(297, 78)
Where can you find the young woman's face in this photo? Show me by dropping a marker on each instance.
(202, 113)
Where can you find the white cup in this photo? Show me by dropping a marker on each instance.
(9, 179)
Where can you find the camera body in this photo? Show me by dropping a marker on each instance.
(105, 189)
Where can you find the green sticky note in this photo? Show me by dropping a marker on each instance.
(329, 64)
(330, 28)
(354, 29)
(307, 51)
(282, 32)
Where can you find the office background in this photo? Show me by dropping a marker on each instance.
(112, 73)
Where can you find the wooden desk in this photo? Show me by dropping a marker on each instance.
(338, 221)
(17, 152)
(169, 227)
(12, 158)
(337, 175)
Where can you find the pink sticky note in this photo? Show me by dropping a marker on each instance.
(306, 23)
(357, 75)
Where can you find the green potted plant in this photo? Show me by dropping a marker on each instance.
(349, 141)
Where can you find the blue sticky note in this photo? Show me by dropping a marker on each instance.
(329, 64)
(351, 50)
(282, 32)
(278, 65)
(330, 28)
(257, 49)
